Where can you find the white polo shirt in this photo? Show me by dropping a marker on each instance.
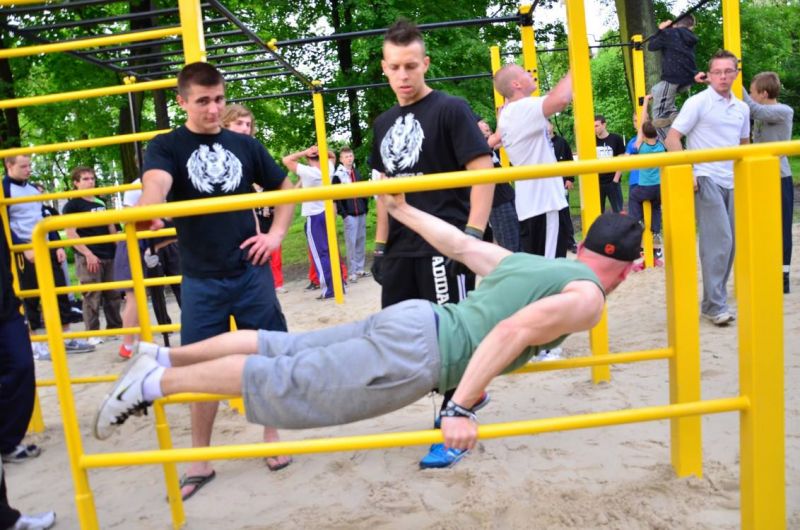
(523, 130)
(709, 120)
(311, 177)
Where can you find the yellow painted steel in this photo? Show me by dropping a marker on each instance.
(528, 39)
(137, 274)
(499, 100)
(761, 365)
(639, 87)
(94, 42)
(647, 235)
(86, 380)
(596, 360)
(170, 468)
(71, 194)
(84, 500)
(37, 420)
(330, 212)
(383, 441)
(583, 111)
(683, 327)
(732, 38)
(105, 286)
(82, 144)
(88, 93)
(194, 45)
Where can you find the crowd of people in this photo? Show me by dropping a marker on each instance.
(436, 331)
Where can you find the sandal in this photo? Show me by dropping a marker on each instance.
(197, 481)
(276, 465)
(21, 453)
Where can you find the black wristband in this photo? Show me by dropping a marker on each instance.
(474, 232)
(454, 410)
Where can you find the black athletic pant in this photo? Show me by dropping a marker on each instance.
(33, 307)
(424, 278)
(787, 205)
(17, 382)
(8, 515)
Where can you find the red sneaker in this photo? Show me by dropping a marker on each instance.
(124, 352)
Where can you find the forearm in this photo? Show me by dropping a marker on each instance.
(283, 215)
(381, 223)
(480, 200)
(673, 141)
(155, 187)
(82, 249)
(446, 238)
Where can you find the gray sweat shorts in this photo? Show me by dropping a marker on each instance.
(344, 373)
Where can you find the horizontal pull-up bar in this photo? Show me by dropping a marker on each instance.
(88, 93)
(92, 42)
(19, 10)
(95, 21)
(82, 144)
(381, 31)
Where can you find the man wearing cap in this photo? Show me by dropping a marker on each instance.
(525, 303)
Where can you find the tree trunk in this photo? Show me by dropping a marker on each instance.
(344, 52)
(637, 17)
(10, 135)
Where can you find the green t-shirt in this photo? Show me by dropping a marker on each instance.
(519, 280)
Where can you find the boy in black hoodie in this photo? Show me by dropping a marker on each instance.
(678, 70)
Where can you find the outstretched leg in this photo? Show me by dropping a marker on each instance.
(242, 342)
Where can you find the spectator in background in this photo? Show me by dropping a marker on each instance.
(503, 217)
(94, 263)
(563, 152)
(773, 123)
(354, 216)
(609, 145)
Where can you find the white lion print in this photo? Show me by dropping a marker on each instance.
(215, 166)
(401, 146)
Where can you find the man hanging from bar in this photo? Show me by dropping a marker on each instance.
(525, 303)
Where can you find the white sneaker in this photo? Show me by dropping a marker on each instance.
(41, 351)
(281, 290)
(95, 341)
(125, 399)
(352, 278)
(37, 521)
(550, 355)
(149, 349)
(720, 319)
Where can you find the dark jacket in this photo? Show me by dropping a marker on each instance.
(347, 207)
(677, 54)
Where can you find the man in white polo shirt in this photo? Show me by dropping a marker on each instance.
(714, 118)
(523, 129)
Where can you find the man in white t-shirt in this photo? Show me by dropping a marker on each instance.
(523, 130)
(714, 118)
(314, 211)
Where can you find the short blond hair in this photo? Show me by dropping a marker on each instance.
(234, 112)
(504, 77)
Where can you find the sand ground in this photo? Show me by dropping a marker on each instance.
(616, 477)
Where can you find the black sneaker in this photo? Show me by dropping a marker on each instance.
(785, 283)
(312, 286)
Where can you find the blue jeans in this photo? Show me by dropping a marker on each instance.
(207, 304)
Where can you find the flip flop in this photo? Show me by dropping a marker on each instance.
(276, 466)
(198, 481)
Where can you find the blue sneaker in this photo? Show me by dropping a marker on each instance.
(439, 457)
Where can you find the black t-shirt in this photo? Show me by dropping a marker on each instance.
(213, 165)
(610, 146)
(563, 152)
(503, 191)
(79, 205)
(434, 135)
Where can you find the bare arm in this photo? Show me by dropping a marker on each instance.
(559, 98)
(156, 183)
(291, 160)
(260, 246)
(577, 308)
(479, 256)
(480, 197)
(282, 217)
(673, 140)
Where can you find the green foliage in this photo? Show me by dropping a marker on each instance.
(610, 92)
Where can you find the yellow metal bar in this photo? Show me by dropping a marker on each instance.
(761, 366)
(137, 275)
(194, 45)
(732, 38)
(106, 190)
(647, 235)
(7, 235)
(499, 100)
(37, 420)
(84, 501)
(422, 183)
(94, 42)
(86, 94)
(170, 468)
(683, 317)
(639, 87)
(596, 360)
(583, 111)
(86, 380)
(105, 286)
(528, 38)
(82, 144)
(383, 441)
(330, 212)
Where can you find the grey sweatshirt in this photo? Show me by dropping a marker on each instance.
(771, 123)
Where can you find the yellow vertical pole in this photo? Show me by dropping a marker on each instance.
(647, 236)
(529, 44)
(583, 111)
(499, 100)
(758, 262)
(84, 500)
(732, 37)
(170, 468)
(236, 404)
(137, 275)
(683, 315)
(330, 212)
(194, 46)
(37, 420)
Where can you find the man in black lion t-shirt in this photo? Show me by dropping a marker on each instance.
(224, 258)
(426, 132)
(609, 145)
